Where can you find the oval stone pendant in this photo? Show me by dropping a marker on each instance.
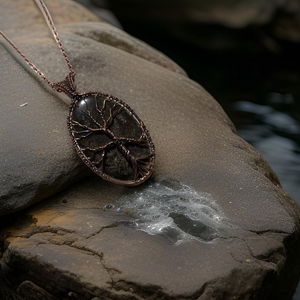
(111, 139)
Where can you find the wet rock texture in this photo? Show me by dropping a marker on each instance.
(68, 247)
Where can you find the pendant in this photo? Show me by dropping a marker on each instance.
(108, 136)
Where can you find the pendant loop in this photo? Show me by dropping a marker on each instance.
(67, 86)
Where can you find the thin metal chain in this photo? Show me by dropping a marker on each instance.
(35, 69)
(50, 23)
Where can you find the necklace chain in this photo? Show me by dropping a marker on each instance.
(48, 18)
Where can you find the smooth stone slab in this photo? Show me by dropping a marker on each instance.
(110, 35)
(85, 250)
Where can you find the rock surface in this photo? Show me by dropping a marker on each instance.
(38, 157)
(75, 243)
(78, 244)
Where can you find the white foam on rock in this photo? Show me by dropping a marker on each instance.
(172, 210)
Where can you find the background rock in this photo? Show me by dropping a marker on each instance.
(216, 25)
(236, 13)
(102, 12)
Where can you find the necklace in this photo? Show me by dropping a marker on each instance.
(107, 134)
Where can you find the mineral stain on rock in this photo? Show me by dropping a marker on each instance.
(173, 210)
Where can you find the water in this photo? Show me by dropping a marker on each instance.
(275, 134)
(172, 210)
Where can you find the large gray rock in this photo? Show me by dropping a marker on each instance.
(78, 243)
(213, 223)
(38, 157)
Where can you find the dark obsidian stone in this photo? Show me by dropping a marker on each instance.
(111, 139)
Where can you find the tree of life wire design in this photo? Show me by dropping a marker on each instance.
(103, 116)
(109, 136)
